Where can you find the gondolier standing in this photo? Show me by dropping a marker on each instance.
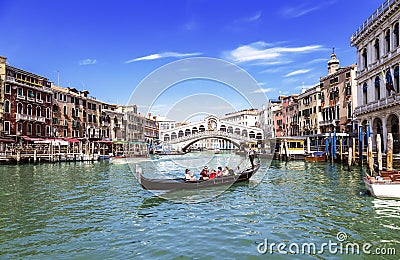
(251, 153)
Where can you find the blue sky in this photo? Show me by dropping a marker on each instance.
(109, 47)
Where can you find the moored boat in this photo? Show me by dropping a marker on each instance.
(182, 184)
(316, 157)
(386, 185)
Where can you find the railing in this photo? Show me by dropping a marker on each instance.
(379, 104)
(211, 134)
(372, 18)
(20, 117)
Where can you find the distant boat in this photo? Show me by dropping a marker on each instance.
(126, 160)
(316, 157)
(386, 185)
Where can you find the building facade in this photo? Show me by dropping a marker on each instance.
(247, 117)
(290, 115)
(310, 111)
(378, 58)
(27, 104)
(338, 97)
(2, 82)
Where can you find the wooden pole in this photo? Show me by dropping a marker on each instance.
(349, 159)
(379, 151)
(34, 155)
(340, 150)
(389, 152)
(370, 159)
(354, 150)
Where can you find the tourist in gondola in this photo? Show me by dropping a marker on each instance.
(189, 176)
(213, 174)
(219, 172)
(204, 174)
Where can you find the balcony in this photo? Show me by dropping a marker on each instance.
(384, 103)
(39, 101)
(40, 119)
(23, 117)
(326, 123)
(20, 97)
(31, 99)
(105, 124)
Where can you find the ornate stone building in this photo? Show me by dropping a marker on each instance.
(378, 59)
(338, 97)
(27, 104)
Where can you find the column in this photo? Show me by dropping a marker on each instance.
(384, 133)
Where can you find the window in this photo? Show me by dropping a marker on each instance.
(38, 96)
(19, 128)
(55, 95)
(38, 130)
(48, 113)
(72, 100)
(65, 110)
(387, 39)
(48, 98)
(20, 92)
(7, 106)
(377, 88)
(65, 132)
(365, 89)
(29, 129)
(19, 108)
(7, 89)
(7, 127)
(364, 59)
(30, 94)
(29, 110)
(377, 52)
(48, 130)
(396, 35)
(38, 111)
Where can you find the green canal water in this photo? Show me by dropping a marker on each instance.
(98, 211)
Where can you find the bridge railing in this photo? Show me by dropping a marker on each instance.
(210, 134)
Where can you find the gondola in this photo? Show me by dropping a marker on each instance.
(182, 184)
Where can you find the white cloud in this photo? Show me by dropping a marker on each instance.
(87, 62)
(164, 55)
(297, 72)
(261, 51)
(264, 90)
(305, 8)
(250, 19)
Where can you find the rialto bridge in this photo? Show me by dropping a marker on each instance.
(211, 132)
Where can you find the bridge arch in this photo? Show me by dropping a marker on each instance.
(206, 137)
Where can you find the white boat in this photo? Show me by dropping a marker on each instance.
(126, 160)
(387, 185)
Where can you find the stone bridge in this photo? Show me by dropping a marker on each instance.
(211, 127)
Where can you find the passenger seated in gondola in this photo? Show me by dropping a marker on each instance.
(213, 174)
(189, 176)
(219, 171)
(225, 172)
(204, 174)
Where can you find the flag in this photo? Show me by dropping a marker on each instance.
(389, 81)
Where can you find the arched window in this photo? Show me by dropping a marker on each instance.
(377, 88)
(20, 108)
(387, 40)
(29, 110)
(7, 106)
(377, 51)
(364, 59)
(365, 90)
(38, 111)
(396, 35)
(48, 113)
(396, 79)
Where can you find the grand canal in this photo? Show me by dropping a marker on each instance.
(98, 211)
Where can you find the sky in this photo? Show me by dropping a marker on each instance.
(111, 47)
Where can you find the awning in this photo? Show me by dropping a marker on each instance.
(72, 140)
(30, 139)
(104, 142)
(4, 140)
(120, 142)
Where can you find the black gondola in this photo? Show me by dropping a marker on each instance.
(182, 184)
